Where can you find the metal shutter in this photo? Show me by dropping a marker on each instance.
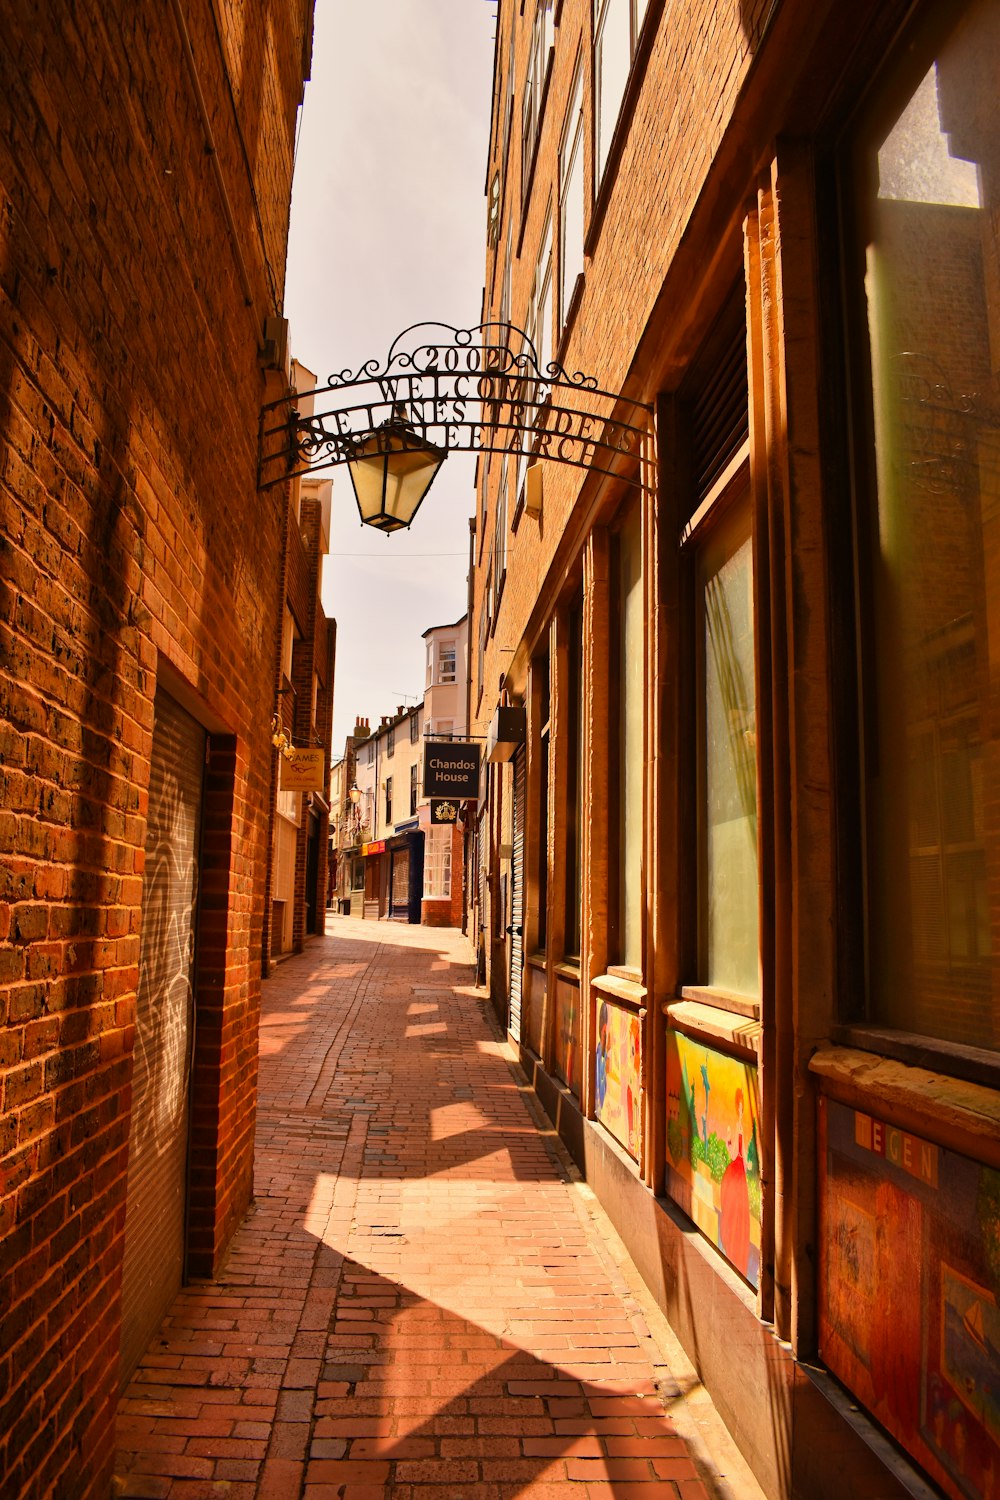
(517, 896)
(158, 1140)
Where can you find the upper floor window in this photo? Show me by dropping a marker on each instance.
(500, 538)
(447, 662)
(571, 215)
(617, 24)
(505, 283)
(390, 741)
(413, 789)
(414, 728)
(542, 37)
(388, 800)
(923, 273)
(540, 315)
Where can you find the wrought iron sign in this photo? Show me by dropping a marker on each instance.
(461, 390)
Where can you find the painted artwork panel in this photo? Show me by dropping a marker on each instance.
(713, 1155)
(909, 1288)
(567, 1042)
(618, 1074)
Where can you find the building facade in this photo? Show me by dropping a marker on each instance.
(392, 859)
(446, 686)
(388, 769)
(735, 897)
(145, 169)
(303, 722)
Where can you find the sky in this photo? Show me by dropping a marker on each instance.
(388, 228)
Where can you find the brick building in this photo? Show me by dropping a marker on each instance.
(145, 168)
(300, 819)
(737, 898)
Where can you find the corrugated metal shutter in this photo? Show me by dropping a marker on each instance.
(517, 896)
(158, 1141)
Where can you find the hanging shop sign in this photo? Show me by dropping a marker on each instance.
(506, 733)
(445, 810)
(302, 771)
(451, 769)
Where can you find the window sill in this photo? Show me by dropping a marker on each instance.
(568, 970)
(624, 990)
(536, 961)
(972, 1064)
(707, 1023)
(740, 1005)
(958, 1115)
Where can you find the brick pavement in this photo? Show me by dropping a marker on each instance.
(423, 1302)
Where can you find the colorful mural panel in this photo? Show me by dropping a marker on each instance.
(910, 1280)
(567, 1048)
(713, 1157)
(618, 1073)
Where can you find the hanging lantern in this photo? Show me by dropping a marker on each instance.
(392, 470)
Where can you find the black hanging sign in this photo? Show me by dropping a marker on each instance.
(451, 769)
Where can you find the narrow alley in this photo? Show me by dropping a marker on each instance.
(424, 1300)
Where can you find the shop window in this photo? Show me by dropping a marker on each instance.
(627, 759)
(617, 24)
(574, 784)
(924, 206)
(357, 875)
(571, 214)
(540, 687)
(437, 864)
(728, 923)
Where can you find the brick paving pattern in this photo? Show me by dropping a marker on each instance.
(421, 1303)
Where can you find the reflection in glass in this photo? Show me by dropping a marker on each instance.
(729, 916)
(931, 213)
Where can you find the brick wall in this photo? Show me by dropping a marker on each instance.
(132, 299)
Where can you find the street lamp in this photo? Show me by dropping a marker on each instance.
(391, 471)
(355, 794)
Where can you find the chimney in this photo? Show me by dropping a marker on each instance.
(361, 730)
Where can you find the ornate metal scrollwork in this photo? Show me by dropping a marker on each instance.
(465, 390)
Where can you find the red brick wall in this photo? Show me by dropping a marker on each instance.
(132, 535)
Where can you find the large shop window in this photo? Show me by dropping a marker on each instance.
(926, 264)
(727, 759)
(437, 864)
(626, 789)
(574, 784)
(540, 672)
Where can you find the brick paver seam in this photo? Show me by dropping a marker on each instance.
(328, 1067)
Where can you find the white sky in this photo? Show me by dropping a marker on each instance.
(388, 228)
